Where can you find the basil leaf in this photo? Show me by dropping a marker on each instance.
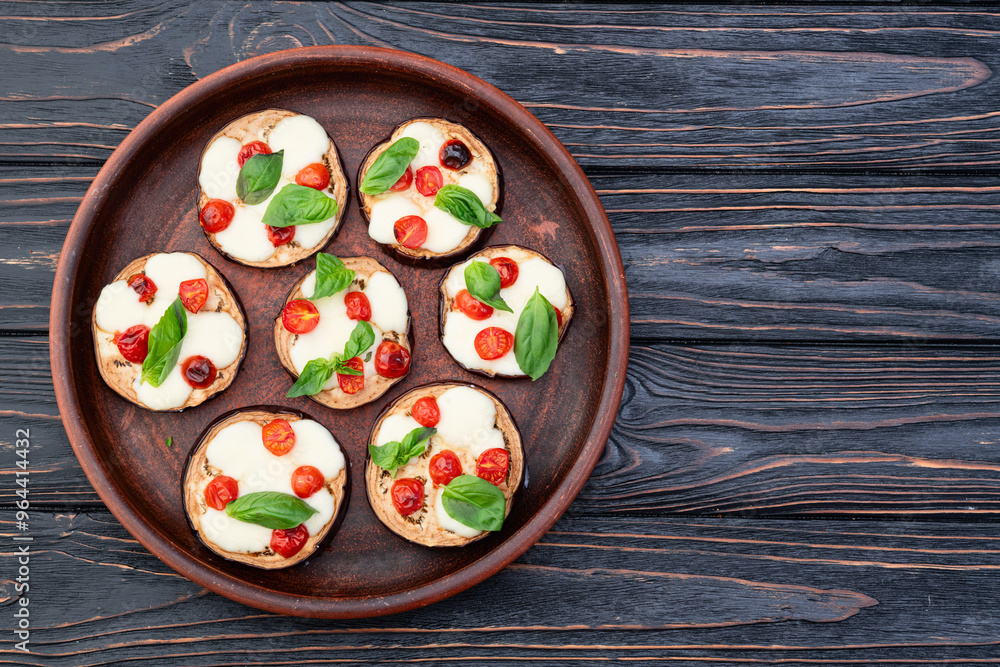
(474, 502)
(164, 344)
(395, 454)
(537, 336)
(360, 340)
(270, 509)
(389, 166)
(298, 205)
(331, 276)
(341, 367)
(259, 176)
(465, 205)
(483, 282)
(313, 378)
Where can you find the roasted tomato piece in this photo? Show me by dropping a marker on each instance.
(558, 316)
(143, 286)
(392, 360)
(493, 343)
(193, 294)
(278, 437)
(221, 491)
(426, 412)
(199, 371)
(251, 149)
(287, 543)
(410, 231)
(352, 384)
(444, 467)
(471, 306)
(404, 181)
(133, 343)
(507, 268)
(315, 176)
(358, 306)
(454, 155)
(280, 235)
(217, 215)
(492, 465)
(429, 180)
(407, 495)
(306, 480)
(299, 316)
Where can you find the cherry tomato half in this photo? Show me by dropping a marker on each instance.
(221, 491)
(133, 343)
(299, 316)
(558, 316)
(404, 181)
(280, 235)
(507, 268)
(428, 180)
(315, 176)
(426, 412)
(287, 543)
(407, 495)
(444, 467)
(493, 343)
(358, 306)
(410, 231)
(198, 371)
(454, 155)
(492, 466)
(251, 149)
(306, 480)
(193, 294)
(471, 306)
(217, 215)
(392, 360)
(352, 384)
(278, 437)
(143, 286)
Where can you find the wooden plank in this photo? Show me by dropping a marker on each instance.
(719, 591)
(880, 87)
(709, 257)
(708, 430)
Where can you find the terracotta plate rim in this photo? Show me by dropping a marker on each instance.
(225, 583)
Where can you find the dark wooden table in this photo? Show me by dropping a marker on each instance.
(805, 469)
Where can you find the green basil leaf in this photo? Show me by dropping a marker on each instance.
(313, 378)
(270, 509)
(395, 454)
(389, 166)
(342, 368)
(483, 282)
(361, 339)
(298, 205)
(331, 276)
(537, 336)
(259, 176)
(165, 344)
(465, 205)
(474, 502)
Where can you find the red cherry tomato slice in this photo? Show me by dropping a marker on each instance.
(306, 480)
(493, 343)
(287, 543)
(278, 437)
(558, 316)
(352, 384)
(198, 371)
(392, 360)
(315, 176)
(217, 215)
(471, 306)
(193, 294)
(358, 306)
(404, 181)
(444, 467)
(410, 231)
(133, 343)
(221, 491)
(454, 155)
(299, 316)
(143, 286)
(407, 495)
(251, 149)
(492, 466)
(426, 412)
(429, 180)
(280, 235)
(507, 268)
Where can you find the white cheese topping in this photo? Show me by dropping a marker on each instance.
(238, 451)
(304, 142)
(467, 427)
(214, 335)
(444, 231)
(460, 330)
(390, 312)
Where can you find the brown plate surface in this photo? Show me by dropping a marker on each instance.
(144, 200)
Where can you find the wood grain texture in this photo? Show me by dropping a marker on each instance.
(902, 432)
(708, 257)
(719, 591)
(622, 86)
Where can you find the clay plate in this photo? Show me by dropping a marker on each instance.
(358, 94)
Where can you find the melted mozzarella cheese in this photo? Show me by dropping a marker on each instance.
(431, 139)
(238, 452)
(385, 213)
(390, 312)
(220, 169)
(303, 140)
(214, 335)
(460, 330)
